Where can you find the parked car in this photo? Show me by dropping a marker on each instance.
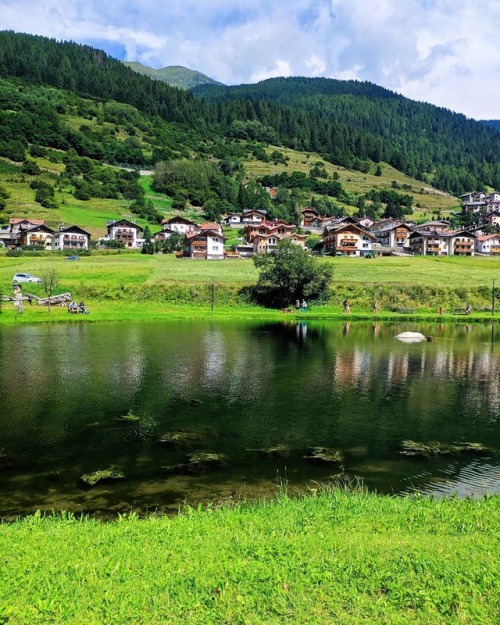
(72, 257)
(25, 277)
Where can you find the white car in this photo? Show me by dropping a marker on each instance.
(25, 277)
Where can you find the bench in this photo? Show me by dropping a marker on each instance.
(403, 311)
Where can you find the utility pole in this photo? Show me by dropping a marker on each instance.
(213, 293)
(493, 298)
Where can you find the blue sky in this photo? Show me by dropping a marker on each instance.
(439, 51)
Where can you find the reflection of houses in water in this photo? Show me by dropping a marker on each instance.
(397, 368)
(353, 368)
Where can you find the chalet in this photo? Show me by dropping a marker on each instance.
(348, 238)
(272, 192)
(297, 239)
(277, 228)
(213, 226)
(37, 235)
(71, 238)
(179, 224)
(488, 244)
(232, 219)
(264, 243)
(493, 218)
(442, 243)
(8, 238)
(17, 224)
(163, 235)
(307, 215)
(394, 235)
(207, 244)
(439, 225)
(319, 223)
(125, 231)
(254, 216)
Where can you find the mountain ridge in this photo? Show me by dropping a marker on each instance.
(173, 75)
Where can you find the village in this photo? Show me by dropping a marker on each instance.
(348, 236)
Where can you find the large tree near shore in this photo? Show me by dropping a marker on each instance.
(290, 273)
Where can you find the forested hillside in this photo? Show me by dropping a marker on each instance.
(345, 120)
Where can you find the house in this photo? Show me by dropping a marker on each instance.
(493, 218)
(8, 238)
(232, 219)
(442, 243)
(71, 238)
(163, 235)
(438, 225)
(297, 239)
(393, 234)
(253, 216)
(488, 244)
(207, 244)
(215, 227)
(348, 238)
(179, 224)
(277, 228)
(272, 192)
(264, 243)
(125, 231)
(17, 224)
(308, 213)
(37, 235)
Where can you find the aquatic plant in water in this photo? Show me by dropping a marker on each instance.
(417, 449)
(98, 476)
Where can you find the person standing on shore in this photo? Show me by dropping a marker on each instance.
(347, 308)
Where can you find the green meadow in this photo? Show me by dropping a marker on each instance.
(137, 286)
(330, 557)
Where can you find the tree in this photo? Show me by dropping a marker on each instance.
(148, 246)
(50, 282)
(290, 273)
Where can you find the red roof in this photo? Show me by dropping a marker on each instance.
(36, 222)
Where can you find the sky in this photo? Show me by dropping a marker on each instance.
(445, 52)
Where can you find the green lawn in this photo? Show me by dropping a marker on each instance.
(327, 558)
(133, 285)
(419, 270)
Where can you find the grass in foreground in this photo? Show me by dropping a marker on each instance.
(334, 558)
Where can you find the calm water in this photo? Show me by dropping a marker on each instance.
(241, 390)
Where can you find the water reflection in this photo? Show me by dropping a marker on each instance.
(282, 389)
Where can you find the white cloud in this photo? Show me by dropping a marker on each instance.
(440, 51)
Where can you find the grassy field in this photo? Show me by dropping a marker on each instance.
(328, 558)
(138, 286)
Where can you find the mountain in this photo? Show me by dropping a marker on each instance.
(72, 102)
(174, 75)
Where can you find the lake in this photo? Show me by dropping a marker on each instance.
(243, 408)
